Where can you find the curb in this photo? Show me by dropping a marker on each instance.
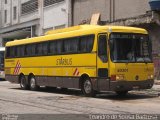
(157, 82)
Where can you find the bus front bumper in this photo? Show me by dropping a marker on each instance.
(130, 85)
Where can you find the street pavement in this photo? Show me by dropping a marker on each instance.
(45, 102)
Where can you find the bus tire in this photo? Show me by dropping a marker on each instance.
(23, 83)
(87, 88)
(122, 93)
(33, 84)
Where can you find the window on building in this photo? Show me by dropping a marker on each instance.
(15, 13)
(5, 1)
(5, 16)
(51, 2)
(29, 6)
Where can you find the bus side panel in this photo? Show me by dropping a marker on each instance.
(57, 71)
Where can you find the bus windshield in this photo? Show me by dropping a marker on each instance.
(126, 47)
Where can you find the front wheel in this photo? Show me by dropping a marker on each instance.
(33, 84)
(87, 88)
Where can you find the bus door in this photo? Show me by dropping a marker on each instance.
(102, 63)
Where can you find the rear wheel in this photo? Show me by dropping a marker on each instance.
(33, 84)
(87, 88)
(23, 83)
(121, 93)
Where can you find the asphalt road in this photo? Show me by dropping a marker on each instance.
(13, 100)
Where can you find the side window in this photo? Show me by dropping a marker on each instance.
(71, 45)
(60, 47)
(22, 51)
(44, 48)
(28, 50)
(12, 50)
(74, 44)
(32, 48)
(18, 51)
(102, 48)
(86, 43)
(53, 47)
(67, 46)
(39, 49)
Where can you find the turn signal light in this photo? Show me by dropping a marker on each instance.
(150, 76)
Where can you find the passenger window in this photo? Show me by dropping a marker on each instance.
(13, 52)
(39, 49)
(60, 47)
(45, 48)
(71, 45)
(102, 48)
(86, 43)
(53, 47)
(33, 49)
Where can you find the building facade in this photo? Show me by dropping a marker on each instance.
(27, 18)
(110, 10)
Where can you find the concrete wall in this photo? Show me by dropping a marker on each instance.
(56, 15)
(154, 31)
(130, 8)
(110, 9)
(83, 9)
(29, 17)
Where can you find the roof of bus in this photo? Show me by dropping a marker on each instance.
(76, 31)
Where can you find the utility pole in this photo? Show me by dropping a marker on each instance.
(41, 16)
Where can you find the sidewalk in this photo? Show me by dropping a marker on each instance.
(157, 82)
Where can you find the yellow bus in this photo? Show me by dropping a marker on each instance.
(88, 57)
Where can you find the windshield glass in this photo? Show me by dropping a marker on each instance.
(126, 47)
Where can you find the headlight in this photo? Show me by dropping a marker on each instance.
(120, 77)
(150, 76)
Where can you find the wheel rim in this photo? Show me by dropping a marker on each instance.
(87, 86)
(33, 83)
